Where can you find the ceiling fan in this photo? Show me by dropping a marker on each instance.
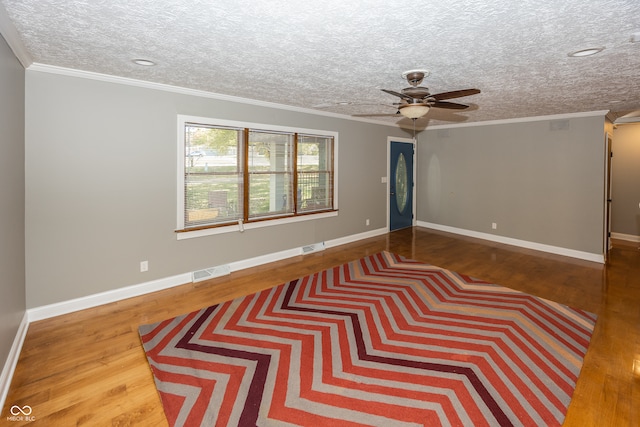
(415, 100)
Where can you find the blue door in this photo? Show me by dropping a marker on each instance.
(401, 186)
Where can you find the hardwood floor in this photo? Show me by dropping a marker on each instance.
(89, 368)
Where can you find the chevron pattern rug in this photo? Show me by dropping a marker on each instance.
(381, 341)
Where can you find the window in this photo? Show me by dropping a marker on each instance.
(232, 173)
(213, 173)
(315, 176)
(270, 183)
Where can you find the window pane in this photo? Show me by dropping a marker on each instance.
(315, 173)
(235, 173)
(270, 174)
(213, 175)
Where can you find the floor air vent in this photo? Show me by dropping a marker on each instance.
(210, 273)
(313, 248)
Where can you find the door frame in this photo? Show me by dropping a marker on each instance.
(387, 179)
(608, 166)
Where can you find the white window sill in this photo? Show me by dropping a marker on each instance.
(251, 225)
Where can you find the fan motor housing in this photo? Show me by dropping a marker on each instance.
(416, 91)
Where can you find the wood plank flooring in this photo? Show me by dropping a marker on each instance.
(89, 369)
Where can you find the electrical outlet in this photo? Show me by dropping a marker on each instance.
(367, 221)
(494, 225)
(144, 266)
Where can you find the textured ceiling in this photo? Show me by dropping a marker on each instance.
(336, 55)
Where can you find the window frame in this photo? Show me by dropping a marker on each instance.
(210, 229)
(250, 175)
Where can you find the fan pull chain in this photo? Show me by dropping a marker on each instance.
(414, 130)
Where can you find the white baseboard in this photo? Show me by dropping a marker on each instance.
(588, 256)
(89, 301)
(264, 259)
(356, 237)
(626, 237)
(278, 256)
(12, 359)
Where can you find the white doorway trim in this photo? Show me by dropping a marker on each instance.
(608, 166)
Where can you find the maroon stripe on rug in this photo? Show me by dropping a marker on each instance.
(499, 415)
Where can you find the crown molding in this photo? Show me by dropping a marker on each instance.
(38, 67)
(10, 34)
(563, 116)
(52, 69)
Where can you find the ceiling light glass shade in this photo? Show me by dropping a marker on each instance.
(414, 111)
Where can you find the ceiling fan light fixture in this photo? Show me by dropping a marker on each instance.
(414, 111)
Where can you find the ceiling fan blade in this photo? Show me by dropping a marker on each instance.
(449, 105)
(454, 94)
(401, 95)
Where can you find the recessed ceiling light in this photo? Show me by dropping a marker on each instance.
(144, 62)
(586, 52)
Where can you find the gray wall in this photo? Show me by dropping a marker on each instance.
(101, 186)
(625, 191)
(540, 181)
(12, 257)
